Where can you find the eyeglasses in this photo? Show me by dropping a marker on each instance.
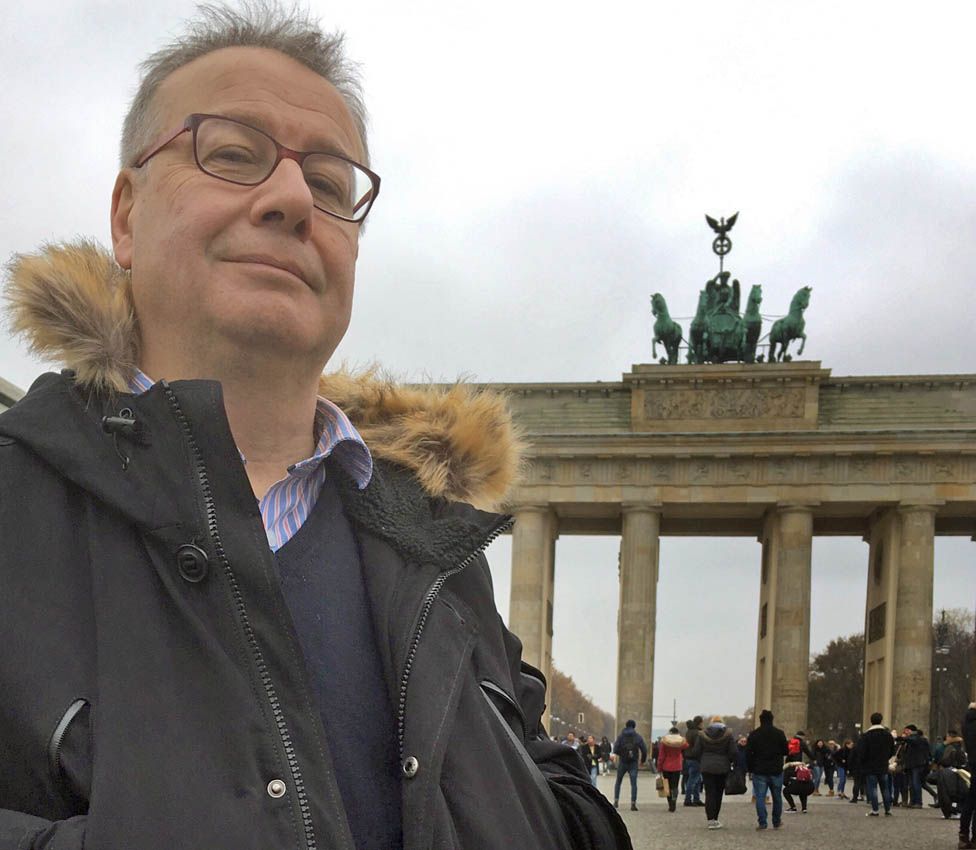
(239, 153)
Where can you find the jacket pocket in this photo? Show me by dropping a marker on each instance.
(70, 755)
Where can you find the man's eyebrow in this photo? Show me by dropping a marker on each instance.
(318, 145)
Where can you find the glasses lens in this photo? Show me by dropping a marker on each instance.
(234, 152)
(338, 187)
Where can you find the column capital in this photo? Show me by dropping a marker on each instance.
(640, 507)
(532, 508)
(919, 507)
(795, 507)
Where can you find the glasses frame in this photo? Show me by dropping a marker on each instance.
(192, 125)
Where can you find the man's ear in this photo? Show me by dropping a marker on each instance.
(123, 201)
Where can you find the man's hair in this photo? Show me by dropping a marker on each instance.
(258, 23)
(876, 718)
(631, 724)
(765, 716)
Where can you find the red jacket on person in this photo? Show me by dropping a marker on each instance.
(669, 758)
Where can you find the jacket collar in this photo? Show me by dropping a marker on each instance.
(73, 304)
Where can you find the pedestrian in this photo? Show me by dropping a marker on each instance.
(693, 783)
(766, 751)
(631, 752)
(571, 741)
(797, 782)
(841, 762)
(670, 761)
(590, 752)
(967, 835)
(253, 596)
(715, 751)
(830, 766)
(799, 748)
(917, 757)
(855, 774)
(874, 749)
(605, 748)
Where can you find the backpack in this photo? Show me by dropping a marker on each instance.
(953, 756)
(793, 747)
(803, 774)
(630, 750)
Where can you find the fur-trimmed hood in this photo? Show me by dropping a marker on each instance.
(72, 303)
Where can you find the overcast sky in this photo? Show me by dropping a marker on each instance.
(546, 167)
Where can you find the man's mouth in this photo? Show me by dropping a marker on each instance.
(274, 262)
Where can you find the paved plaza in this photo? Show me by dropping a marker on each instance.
(831, 824)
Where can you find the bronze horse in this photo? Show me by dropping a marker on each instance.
(666, 330)
(790, 327)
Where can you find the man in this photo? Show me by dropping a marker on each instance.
(571, 741)
(631, 752)
(766, 752)
(693, 784)
(873, 749)
(917, 758)
(799, 747)
(967, 836)
(232, 618)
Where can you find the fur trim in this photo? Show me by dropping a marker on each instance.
(73, 304)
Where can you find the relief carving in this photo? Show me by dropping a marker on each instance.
(762, 403)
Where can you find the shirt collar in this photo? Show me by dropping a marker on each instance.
(335, 434)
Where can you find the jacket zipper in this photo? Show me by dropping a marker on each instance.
(279, 716)
(429, 598)
(57, 738)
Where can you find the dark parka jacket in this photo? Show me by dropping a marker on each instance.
(153, 689)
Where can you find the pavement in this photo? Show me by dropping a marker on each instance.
(830, 824)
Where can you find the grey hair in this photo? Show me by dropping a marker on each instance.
(259, 23)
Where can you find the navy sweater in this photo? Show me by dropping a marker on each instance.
(322, 582)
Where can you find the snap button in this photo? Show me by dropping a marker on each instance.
(410, 767)
(276, 788)
(192, 562)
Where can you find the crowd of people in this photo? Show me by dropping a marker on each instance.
(884, 768)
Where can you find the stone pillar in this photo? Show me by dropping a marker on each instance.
(898, 616)
(639, 549)
(783, 643)
(911, 679)
(533, 573)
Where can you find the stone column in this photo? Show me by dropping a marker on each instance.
(898, 616)
(783, 644)
(879, 611)
(639, 549)
(533, 571)
(911, 679)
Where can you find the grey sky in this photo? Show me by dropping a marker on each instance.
(546, 167)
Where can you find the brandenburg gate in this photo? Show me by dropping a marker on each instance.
(778, 451)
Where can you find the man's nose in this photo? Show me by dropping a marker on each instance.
(285, 200)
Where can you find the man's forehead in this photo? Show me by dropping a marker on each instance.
(263, 87)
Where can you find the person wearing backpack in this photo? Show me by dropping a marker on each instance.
(797, 781)
(631, 752)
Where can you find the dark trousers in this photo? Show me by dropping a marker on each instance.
(858, 791)
(628, 768)
(966, 811)
(674, 778)
(791, 803)
(714, 791)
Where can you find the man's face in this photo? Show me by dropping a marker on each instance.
(570, 737)
(203, 251)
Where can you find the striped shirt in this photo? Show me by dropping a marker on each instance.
(289, 501)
